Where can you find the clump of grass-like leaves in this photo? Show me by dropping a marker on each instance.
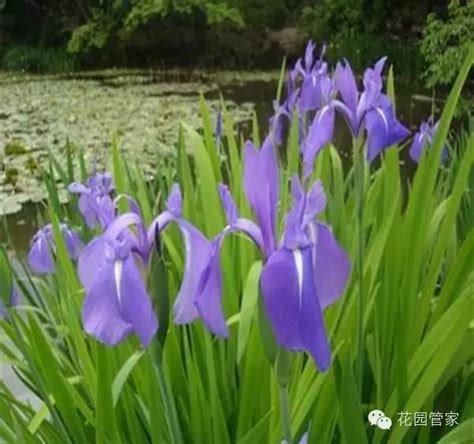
(192, 387)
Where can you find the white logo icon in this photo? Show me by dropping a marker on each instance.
(378, 418)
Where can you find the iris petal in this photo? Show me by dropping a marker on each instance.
(209, 302)
(209, 299)
(311, 320)
(136, 304)
(292, 303)
(198, 252)
(101, 314)
(320, 134)
(347, 86)
(280, 290)
(417, 147)
(117, 305)
(332, 266)
(261, 182)
(40, 257)
(91, 261)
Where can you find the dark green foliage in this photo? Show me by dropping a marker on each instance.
(235, 33)
(446, 42)
(37, 60)
(117, 22)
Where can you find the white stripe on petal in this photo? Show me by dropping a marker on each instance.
(384, 118)
(322, 112)
(299, 271)
(118, 279)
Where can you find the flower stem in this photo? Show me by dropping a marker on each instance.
(283, 371)
(168, 404)
(285, 413)
(359, 165)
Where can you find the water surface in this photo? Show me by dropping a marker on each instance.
(143, 109)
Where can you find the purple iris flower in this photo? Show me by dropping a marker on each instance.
(303, 274)
(198, 251)
(372, 110)
(311, 71)
(423, 139)
(95, 203)
(306, 97)
(117, 303)
(13, 301)
(113, 267)
(40, 256)
(322, 128)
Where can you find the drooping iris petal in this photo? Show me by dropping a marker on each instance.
(320, 134)
(106, 211)
(292, 303)
(136, 304)
(261, 182)
(417, 146)
(198, 251)
(332, 266)
(40, 257)
(383, 129)
(87, 208)
(117, 303)
(311, 320)
(280, 289)
(208, 302)
(92, 260)
(102, 314)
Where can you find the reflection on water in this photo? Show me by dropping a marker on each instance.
(19, 228)
(410, 110)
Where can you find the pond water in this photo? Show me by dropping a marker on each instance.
(38, 115)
